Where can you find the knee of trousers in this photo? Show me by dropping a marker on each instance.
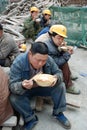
(60, 87)
(13, 99)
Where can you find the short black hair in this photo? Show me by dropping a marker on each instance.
(39, 47)
(52, 34)
(1, 27)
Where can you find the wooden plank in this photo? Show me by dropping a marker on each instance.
(73, 100)
(73, 105)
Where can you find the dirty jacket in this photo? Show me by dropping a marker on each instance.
(6, 110)
(59, 57)
(31, 28)
(20, 70)
(8, 49)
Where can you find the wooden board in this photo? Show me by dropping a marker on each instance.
(73, 100)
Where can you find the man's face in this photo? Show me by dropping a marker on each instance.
(58, 40)
(34, 15)
(47, 17)
(37, 60)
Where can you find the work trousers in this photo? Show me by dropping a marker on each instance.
(66, 75)
(21, 103)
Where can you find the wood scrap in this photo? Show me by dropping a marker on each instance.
(73, 100)
(72, 105)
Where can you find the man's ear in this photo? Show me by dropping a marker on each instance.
(30, 53)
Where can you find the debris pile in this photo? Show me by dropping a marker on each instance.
(22, 7)
(15, 14)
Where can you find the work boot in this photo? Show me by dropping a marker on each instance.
(73, 90)
(39, 104)
(62, 120)
(73, 77)
(29, 125)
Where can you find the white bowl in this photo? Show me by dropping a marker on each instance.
(44, 80)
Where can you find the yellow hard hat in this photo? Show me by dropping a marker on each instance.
(47, 11)
(23, 47)
(34, 9)
(59, 29)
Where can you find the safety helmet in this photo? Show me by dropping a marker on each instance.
(34, 9)
(23, 47)
(59, 29)
(47, 11)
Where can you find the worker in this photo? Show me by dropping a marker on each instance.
(46, 18)
(54, 39)
(8, 48)
(23, 88)
(32, 24)
(6, 110)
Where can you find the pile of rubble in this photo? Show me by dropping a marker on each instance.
(15, 14)
(22, 7)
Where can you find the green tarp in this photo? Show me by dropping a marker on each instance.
(3, 4)
(75, 19)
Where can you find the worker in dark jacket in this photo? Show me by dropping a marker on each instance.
(54, 39)
(8, 48)
(45, 22)
(46, 18)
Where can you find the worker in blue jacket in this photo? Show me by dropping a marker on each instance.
(23, 88)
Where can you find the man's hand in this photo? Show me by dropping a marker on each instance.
(64, 43)
(56, 78)
(28, 84)
(70, 49)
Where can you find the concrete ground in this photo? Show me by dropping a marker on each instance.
(77, 116)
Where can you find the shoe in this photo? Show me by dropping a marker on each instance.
(73, 77)
(73, 90)
(39, 104)
(62, 120)
(29, 125)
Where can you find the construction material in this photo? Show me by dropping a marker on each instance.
(73, 100)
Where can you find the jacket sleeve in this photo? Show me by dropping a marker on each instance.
(6, 47)
(62, 59)
(53, 69)
(15, 82)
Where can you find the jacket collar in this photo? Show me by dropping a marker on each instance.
(26, 62)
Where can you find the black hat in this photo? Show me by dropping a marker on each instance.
(1, 27)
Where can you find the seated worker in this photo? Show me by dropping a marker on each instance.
(54, 39)
(46, 18)
(45, 22)
(8, 48)
(6, 110)
(32, 24)
(23, 88)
